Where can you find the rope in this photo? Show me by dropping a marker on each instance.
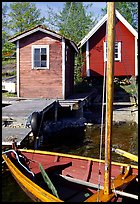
(17, 157)
(102, 123)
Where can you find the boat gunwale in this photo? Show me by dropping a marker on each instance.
(26, 182)
(75, 157)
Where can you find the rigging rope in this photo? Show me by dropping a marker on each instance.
(102, 122)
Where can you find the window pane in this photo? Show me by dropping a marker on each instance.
(43, 51)
(40, 57)
(36, 54)
(37, 51)
(36, 63)
(43, 63)
(43, 57)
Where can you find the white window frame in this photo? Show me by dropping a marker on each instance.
(40, 46)
(118, 53)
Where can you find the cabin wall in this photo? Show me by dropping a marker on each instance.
(45, 83)
(127, 65)
(96, 52)
(69, 74)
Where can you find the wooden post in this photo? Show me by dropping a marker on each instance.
(56, 111)
(109, 94)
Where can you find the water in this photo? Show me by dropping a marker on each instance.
(125, 137)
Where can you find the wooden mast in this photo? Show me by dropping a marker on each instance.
(109, 94)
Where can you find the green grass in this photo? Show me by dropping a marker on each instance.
(9, 61)
(7, 94)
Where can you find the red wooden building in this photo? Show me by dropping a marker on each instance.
(45, 64)
(94, 49)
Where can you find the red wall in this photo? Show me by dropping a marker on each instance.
(41, 83)
(126, 66)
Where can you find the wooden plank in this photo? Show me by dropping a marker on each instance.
(8, 134)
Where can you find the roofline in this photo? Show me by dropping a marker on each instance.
(27, 33)
(94, 29)
(33, 31)
(101, 22)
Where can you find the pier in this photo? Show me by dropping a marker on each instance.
(15, 113)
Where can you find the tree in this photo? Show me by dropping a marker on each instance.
(74, 23)
(129, 10)
(5, 34)
(8, 48)
(23, 16)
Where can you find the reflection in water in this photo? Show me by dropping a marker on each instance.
(124, 137)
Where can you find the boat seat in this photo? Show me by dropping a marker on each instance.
(56, 167)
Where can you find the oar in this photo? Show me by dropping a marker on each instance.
(126, 154)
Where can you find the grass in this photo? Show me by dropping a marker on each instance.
(9, 61)
(7, 94)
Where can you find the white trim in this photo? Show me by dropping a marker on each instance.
(125, 22)
(104, 45)
(17, 54)
(33, 31)
(40, 46)
(136, 57)
(119, 52)
(44, 31)
(101, 22)
(63, 67)
(95, 28)
(74, 46)
(87, 59)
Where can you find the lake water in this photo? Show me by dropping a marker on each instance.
(125, 137)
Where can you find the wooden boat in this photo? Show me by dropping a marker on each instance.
(68, 178)
(56, 177)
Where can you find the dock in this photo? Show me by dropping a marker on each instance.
(17, 111)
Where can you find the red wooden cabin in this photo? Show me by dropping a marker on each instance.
(94, 49)
(45, 64)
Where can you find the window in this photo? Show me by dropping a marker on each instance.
(40, 56)
(117, 51)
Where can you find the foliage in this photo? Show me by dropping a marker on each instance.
(77, 70)
(12, 73)
(129, 10)
(8, 50)
(23, 16)
(7, 94)
(5, 33)
(74, 23)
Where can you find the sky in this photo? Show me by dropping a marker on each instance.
(57, 6)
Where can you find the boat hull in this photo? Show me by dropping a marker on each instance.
(84, 172)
